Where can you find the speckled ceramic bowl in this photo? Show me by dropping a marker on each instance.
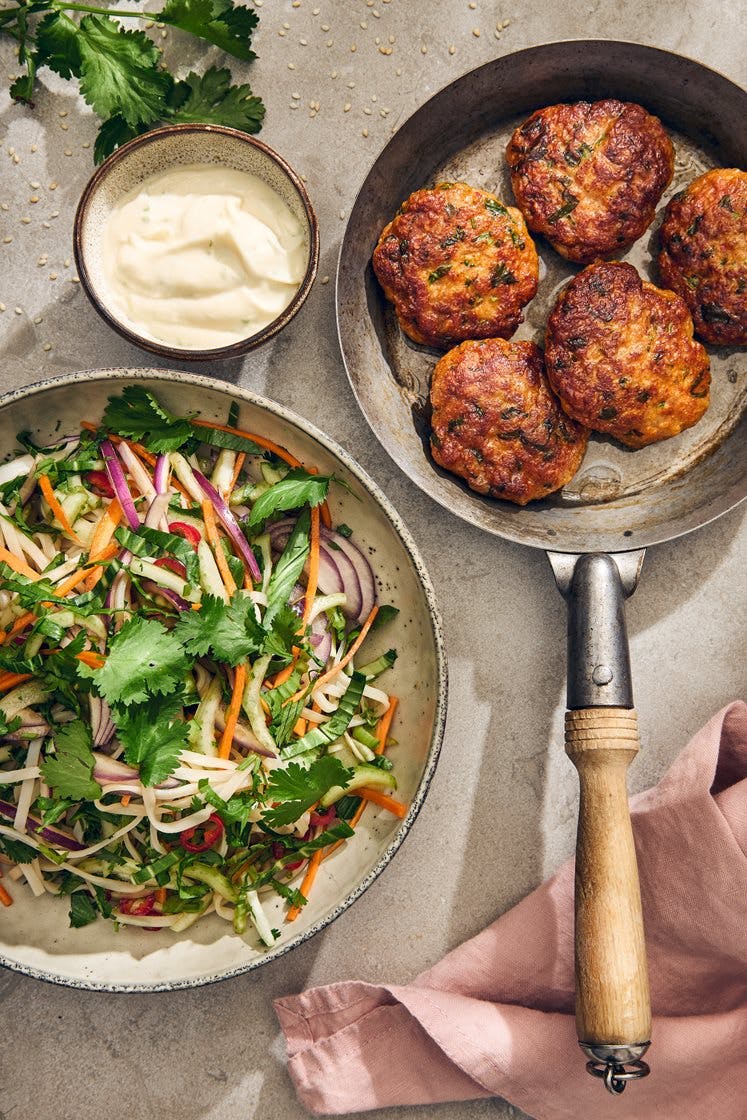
(34, 934)
(160, 150)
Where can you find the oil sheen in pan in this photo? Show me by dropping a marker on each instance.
(609, 470)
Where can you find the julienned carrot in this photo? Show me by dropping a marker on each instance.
(20, 624)
(382, 731)
(313, 577)
(344, 660)
(232, 712)
(5, 897)
(382, 799)
(17, 565)
(104, 530)
(91, 658)
(160, 895)
(306, 885)
(46, 488)
(323, 506)
(125, 799)
(211, 532)
(267, 444)
(237, 468)
(10, 680)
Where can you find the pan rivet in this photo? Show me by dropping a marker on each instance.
(601, 674)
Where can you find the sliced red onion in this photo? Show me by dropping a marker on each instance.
(47, 832)
(102, 725)
(363, 570)
(336, 570)
(119, 483)
(231, 525)
(167, 593)
(321, 639)
(107, 769)
(156, 510)
(161, 473)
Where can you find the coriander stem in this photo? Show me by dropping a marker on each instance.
(100, 11)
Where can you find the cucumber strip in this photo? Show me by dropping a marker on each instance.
(363, 775)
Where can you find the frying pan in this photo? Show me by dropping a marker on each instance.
(597, 528)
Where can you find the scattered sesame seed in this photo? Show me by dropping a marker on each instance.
(47, 346)
(62, 113)
(11, 151)
(385, 50)
(505, 23)
(296, 96)
(452, 49)
(53, 276)
(86, 145)
(367, 111)
(35, 186)
(164, 34)
(342, 215)
(497, 34)
(351, 85)
(399, 72)
(315, 11)
(281, 33)
(42, 261)
(330, 42)
(375, 14)
(16, 159)
(286, 26)
(18, 310)
(333, 73)
(68, 152)
(26, 220)
(375, 97)
(55, 214)
(364, 25)
(64, 126)
(296, 4)
(472, 5)
(294, 104)
(4, 206)
(353, 47)
(303, 42)
(324, 280)
(3, 307)
(476, 32)
(7, 240)
(66, 262)
(346, 107)
(74, 279)
(325, 27)
(258, 3)
(150, 23)
(291, 66)
(34, 148)
(46, 225)
(38, 320)
(383, 112)
(424, 49)
(392, 39)
(365, 132)
(34, 198)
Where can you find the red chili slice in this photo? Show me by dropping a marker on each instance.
(202, 836)
(100, 484)
(182, 529)
(141, 906)
(173, 565)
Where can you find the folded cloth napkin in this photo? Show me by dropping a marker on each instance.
(495, 1017)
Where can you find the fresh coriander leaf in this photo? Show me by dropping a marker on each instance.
(298, 788)
(112, 134)
(231, 632)
(153, 735)
(70, 770)
(283, 635)
(120, 72)
(236, 810)
(384, 614)
(217, 21)
(83, 910)
(57, 45)
(288, 568)
(144, 660)
(16, 850)
(211, 99)
(51, 809)
(338, 722)
(228, 440)
(298, 488)
(344, 530)
(137, 414)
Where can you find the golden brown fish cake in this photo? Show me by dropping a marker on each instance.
(621, 356)
(704, 254)
(457, 264)
(497, 424)
(589, 175)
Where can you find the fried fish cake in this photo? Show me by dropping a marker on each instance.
(589, 175)
(704, 254)
(620, 355)
(497, 424)
(456, 263)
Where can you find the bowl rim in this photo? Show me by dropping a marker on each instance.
(162, 349)
(125, 374)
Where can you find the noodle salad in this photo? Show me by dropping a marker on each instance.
(187, 720)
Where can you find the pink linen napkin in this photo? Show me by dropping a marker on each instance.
(495, 1017)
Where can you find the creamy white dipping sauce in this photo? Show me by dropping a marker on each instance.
(201, 256)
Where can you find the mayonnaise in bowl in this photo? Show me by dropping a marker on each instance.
(202, 256)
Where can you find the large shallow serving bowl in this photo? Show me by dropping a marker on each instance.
(34, 933)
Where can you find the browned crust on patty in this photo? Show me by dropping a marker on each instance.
(589, 175)
(620, 355)
(704, 254)
(457, 264)
(498, 426)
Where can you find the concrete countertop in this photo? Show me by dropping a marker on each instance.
(216, 1053)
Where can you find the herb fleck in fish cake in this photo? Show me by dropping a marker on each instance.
(497, 424)
(589, 175)
(457, 264)
(704, 254)
(620, 355)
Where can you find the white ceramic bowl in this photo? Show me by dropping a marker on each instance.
(34, 934)
(165, 148)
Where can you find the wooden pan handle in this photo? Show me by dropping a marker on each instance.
(612, 994)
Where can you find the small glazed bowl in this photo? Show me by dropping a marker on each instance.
(164, 149)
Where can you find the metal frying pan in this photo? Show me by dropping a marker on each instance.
(597, 528)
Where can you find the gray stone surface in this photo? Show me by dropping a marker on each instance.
(501, 812)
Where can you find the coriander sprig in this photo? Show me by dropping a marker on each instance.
(121, 72)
